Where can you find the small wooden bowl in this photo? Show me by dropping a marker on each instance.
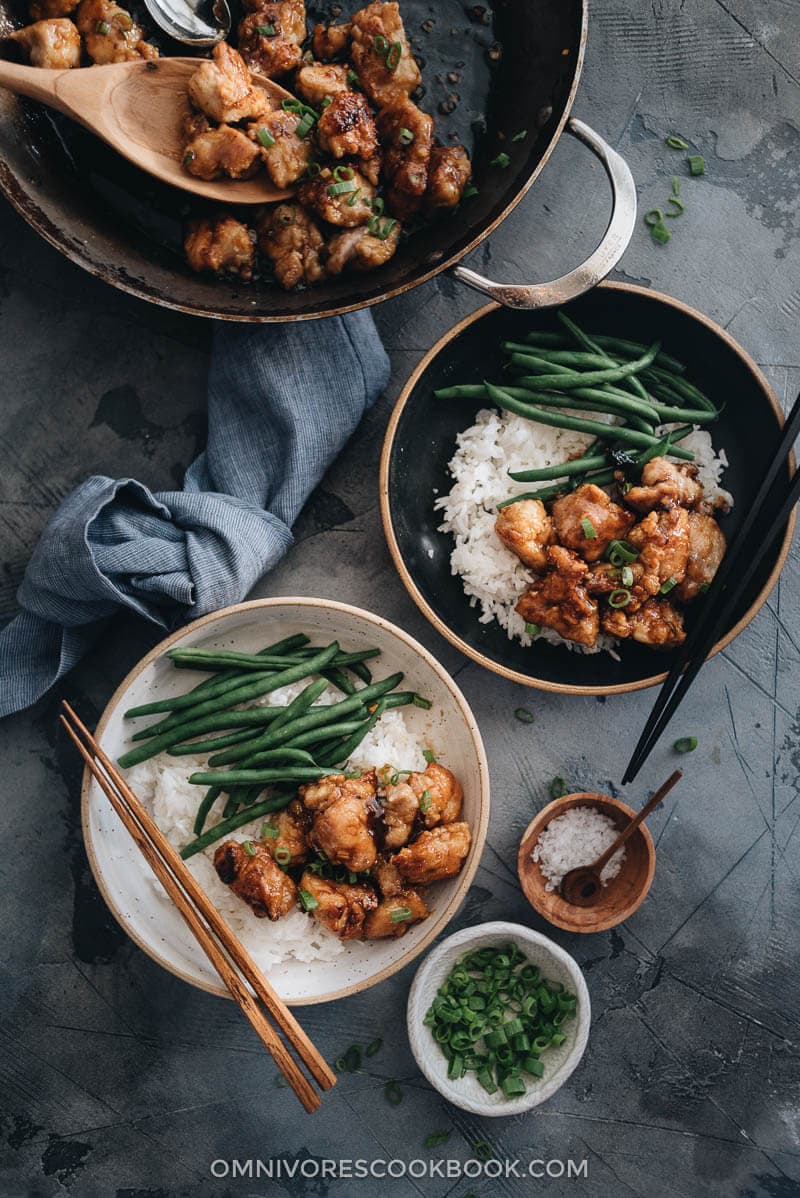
(619, 899)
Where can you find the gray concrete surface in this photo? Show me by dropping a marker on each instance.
(119, 1080)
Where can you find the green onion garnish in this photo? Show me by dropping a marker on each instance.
(558, 788)
(188, 157)
(502, 160)
(307, 123)
(532, 629)
(627, 576)
(394, 56)
(350, 1060)
(425, 802)
(373, 1047)
(483, 1150)
(381, 46)
(405, 137)
(376, 205)
(282, 856)
(351, 202)
(589, 529)
(266, 138)
(685, 744)
(620, 552)
(680, 207)
(266, 30)
(343, 172)
(313, 169)
(621, 597)
(470, 191)
(343, 188)
(269, 832)
(654, 217)
(307, 900)
(436, 1138)
(524, 716)
(429, 756)
(667, 586)
(392, 1093)
(400, 914)
(676, 143)
(102, 27)
(326, 102)
(660, 233)
(523, 133)
(676, 185)
(352, 79)
(697, 164)
(249, 848)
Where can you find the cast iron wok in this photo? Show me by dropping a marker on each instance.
(421, 437)
(127, 229)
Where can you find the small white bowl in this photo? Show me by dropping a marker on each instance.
(555, 964)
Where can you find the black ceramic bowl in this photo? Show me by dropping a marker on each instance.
(420, 441)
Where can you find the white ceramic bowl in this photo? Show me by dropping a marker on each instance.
(555, 964)
(123, 876)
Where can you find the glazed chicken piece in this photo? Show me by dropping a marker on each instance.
(662, 540)
(286, 156)
(287, 832)
(358, 249)
(371, 167)
(604, 579)
(330, 41)
(290, 237)
(346, 128)
(220, 245)
(439, 794)
(665, 484)
(449, 172)
(317, 81)
(406, 134)
(110, 34)
(222, 88)
(400, 807)
(526, 529)
(387, 877)
(254, 877)
(605, 521)
(271, 37)
(346, 210)
(656, 624)
(341, 908)
(222, 151)
(344, 811)
(46, 10)
(381, 55)
(53, 43)
(434, 855)
(559, 600)
(707, 547)
(394, 916)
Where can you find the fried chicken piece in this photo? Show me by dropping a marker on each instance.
(604, 579)
(223, 89)
(439, 794)
(434, 855)
(53, 43)
(271, 37)
(291, 826)
(221, 245)
(662, 540)
(449, 172)
(381, 55)
(394, 916)
(291, 238)
(526, 529)
(608, 521)
(707, 547)
(194, 123)
(346, 128)
(405, 161)
(316, 796)
(330, 41)
(371, 167)
(387, 877)
(287, 158)
(47, 10)
(255, 878)
(665, 484)
(559, 600)
(400, 806)
(110, 34)
(344, 811)
(341, 908)
(346, 210)
(358, 249)
(221, 151)
(317, 81)
(656, 624)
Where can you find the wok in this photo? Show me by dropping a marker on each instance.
(503, 71)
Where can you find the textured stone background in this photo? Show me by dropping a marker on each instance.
(120, 1080)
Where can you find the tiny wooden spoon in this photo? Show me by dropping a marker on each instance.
(138, 107)
(582, 886)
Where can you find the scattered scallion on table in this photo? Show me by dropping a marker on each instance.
(685, 744)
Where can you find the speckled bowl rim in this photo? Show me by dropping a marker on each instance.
(538, 1094)
(479, 826)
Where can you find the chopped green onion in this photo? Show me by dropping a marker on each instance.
(502, 160)
(483, 1150)
(376, 205)
(676, 185)
(282, 856)
(249, 848)
(619, 598)
(351, 202)
(685, 744)
(269, 832)
(343, 172)
(124, 21)
(429, 756)
(394, 56)
(697, 164)
(353, 79)
(393, 1093)
(654, 217)
(307, 900)
(667, 586)
(266, 30)
(400, 914)
(622, 551)
(436, 1138)
(627, 576)
(532, 629)
(373, 1047)
(343, 188)
(405, 137)
(680, 207)
(558, 788)
(326, 102)
(313, 169)
(660, 233)
(381, 46)
(470, 191)
(523, 133)
(589, 529)
(306, 124)
(524, 716)
(102, 27)
(704, 586)
(188, 157)
(266, 138)
(425, 802)
(676, 143)
(349, 1061)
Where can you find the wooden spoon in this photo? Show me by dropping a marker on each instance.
(582, 886)
(138, 108)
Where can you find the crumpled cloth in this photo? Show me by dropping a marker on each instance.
(282, 401)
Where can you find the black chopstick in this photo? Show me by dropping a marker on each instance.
(743, 558)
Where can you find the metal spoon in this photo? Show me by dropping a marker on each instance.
(193, 22)
(582, 886)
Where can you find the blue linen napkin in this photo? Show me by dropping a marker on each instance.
(277, 418)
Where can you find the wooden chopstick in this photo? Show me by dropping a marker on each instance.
(206, 923)
(742, 560)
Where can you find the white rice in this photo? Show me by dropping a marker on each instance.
(493, 577)
(577, 838)
(162, 784)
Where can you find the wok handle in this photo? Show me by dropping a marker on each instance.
(597, 265)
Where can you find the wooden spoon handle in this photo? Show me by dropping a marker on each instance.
(599, 865)
(38, 83)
